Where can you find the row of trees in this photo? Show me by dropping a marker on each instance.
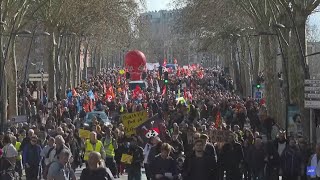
(248, 34)
(98, 27)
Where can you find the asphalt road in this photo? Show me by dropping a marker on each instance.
(123, 177)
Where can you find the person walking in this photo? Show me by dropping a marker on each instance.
(110, 145)
(292, 160)
(61, 169)
(92, 145)
(164, 167)
(134, 169)
(8, 160)
(315, 162)
(18, 164)
(31, 158)
(232, 158)
(200, 165)
(95, 169)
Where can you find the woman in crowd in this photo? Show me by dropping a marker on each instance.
(96, 169)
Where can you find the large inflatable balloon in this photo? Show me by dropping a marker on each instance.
(135, 63)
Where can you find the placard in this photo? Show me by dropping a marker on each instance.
(126, 158)
(219, 135)
(133, 120)
(85, 134)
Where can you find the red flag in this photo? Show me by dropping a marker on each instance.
(200, 74)
(164, 90)
(165, 62)
(74, 92)
(110, 94)
(218, 120)
(104, 87)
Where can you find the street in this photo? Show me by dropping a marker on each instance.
(123, 177)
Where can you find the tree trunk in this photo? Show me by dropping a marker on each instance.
(78, 54)
(244, 65)
(256, 62)
(69, 65)
(297, 68)
(64, 68)
(85, 64)
(11, 67)
(236, 71)
(52, 68)
(74, 75)
(271, 79)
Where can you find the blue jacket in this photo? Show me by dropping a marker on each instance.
(31, 154)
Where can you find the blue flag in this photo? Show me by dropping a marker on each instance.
(91, 95)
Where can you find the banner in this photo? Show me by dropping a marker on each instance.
(154, 126)
(85, 134)
(133, 120)
(19, 119)
(219, 135)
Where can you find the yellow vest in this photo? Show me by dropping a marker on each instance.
(109, 149)
(17, 146)
(89, 149)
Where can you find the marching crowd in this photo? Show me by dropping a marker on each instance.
(189, 107)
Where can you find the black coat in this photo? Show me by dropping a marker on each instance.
(209, 170)
(232, 156)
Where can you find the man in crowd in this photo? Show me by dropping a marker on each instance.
(200, 165)
(93, 145)
(110, 145)
(31, 158)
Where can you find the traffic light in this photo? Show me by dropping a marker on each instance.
(166, 77)
(166, 81)
(258, 86)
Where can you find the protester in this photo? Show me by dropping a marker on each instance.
(95, 169)
(31, 158)
(183, 112)
(134, 168)
(163, 167)
(200, 165)
(18, 164)
(93, 145)
(110, 145)
(60, 169)
(291, 161)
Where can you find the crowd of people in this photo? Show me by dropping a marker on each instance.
(194, 106)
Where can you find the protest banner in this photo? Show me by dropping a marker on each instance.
(155, 126)
(85, 134)
(219, 135)
(133, 120)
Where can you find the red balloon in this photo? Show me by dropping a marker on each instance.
(135, 63)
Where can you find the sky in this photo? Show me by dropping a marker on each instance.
(156, 5)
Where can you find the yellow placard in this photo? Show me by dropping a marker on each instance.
(133, 120)
(84, 134)
(126, 158)
(121, 71)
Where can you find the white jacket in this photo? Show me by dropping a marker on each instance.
(315, 163)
